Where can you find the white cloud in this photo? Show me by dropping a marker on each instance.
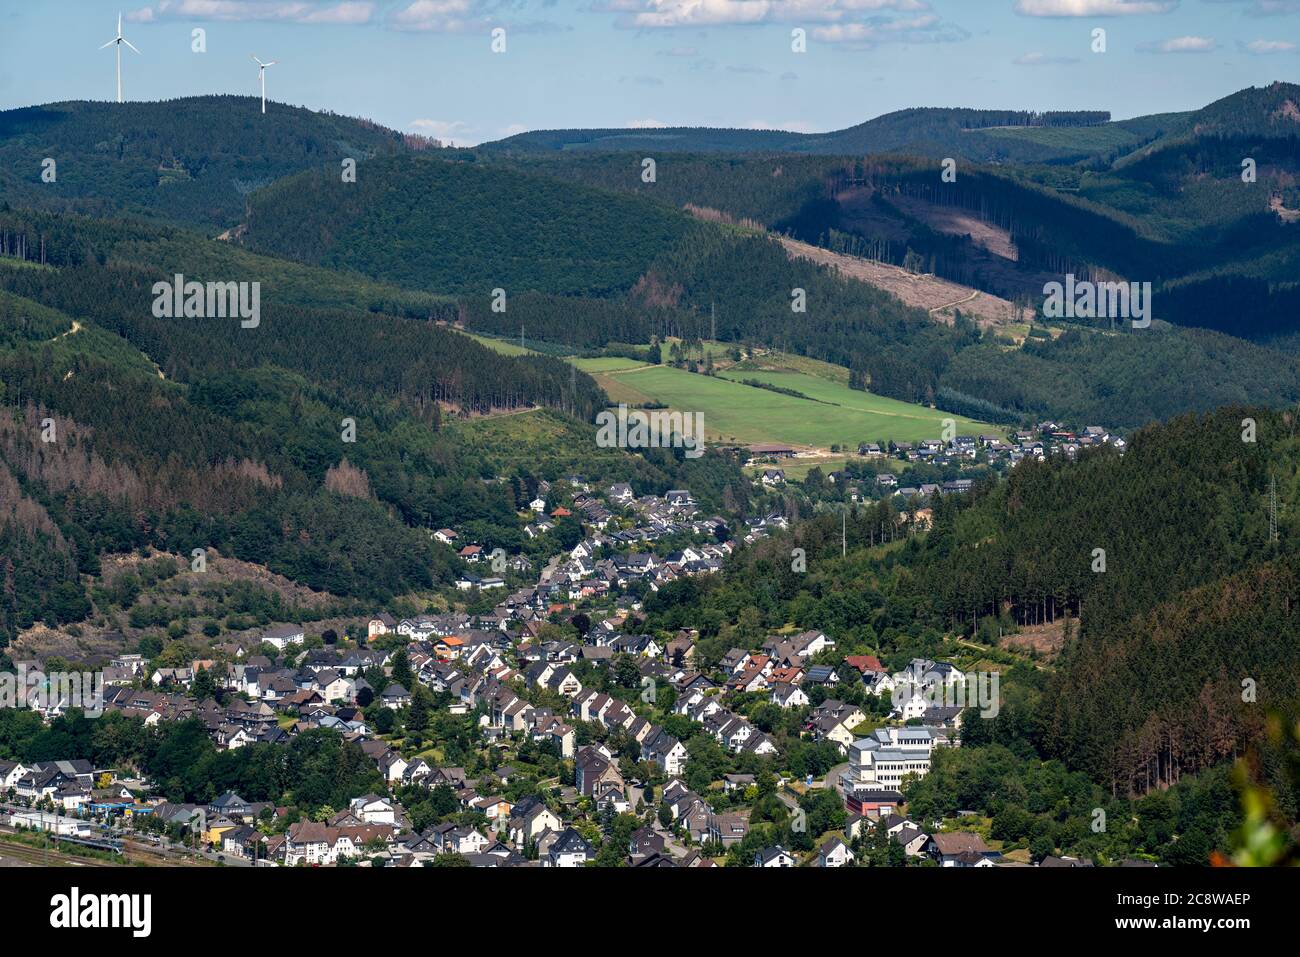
(346, 12)
(1265, 8)
(438, 16)
(1266, 47)
(1093, 8)
(352, 12)
(655, 14)
(448, 131)
(683, 13)
(922, 29)
(1182, 45)
(462, 16)
(1042, 59)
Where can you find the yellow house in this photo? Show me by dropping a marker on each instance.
(216, 829)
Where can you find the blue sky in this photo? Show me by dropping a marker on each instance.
(427, 65)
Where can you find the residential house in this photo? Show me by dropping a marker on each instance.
(570, 850)
(775, 856)
(834, 853)
(959, 849)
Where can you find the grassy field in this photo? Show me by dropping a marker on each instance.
(506, 348)
(607, 373)
(764, 360)
(717, 347)
(600, 364)
(734, 412)
(522, 439)
(786, 362)
(796, 470)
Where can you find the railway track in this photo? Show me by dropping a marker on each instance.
(48, 858)
(146, 854)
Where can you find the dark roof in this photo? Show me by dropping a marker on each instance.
(771, 853)
(571, 842)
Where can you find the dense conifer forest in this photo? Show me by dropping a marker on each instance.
(164, 159)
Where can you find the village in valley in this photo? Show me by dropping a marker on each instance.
(537, 722)
(875, 472)
(505, 435)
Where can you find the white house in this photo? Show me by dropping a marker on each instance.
(381, 624)
(834, 853)
(569, 850)
(788, 696)
(664, 750)
(773, 857)
(373, 809)
(283, 636)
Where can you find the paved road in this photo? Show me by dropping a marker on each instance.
(671, 844)
(833, 776)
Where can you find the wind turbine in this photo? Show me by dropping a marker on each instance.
(117, 41)
(261, 73)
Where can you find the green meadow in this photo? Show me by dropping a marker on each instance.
(832, 413)
(735, 412)
(599, 364)
(503, 346)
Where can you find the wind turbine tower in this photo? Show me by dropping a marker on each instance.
(261, 73)
(117, 42)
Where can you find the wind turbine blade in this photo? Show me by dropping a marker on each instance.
(119, 24)
(255, 59)
(109, 43)
(273, 63)
(132, 46)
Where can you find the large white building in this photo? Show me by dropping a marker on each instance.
(881, 760)
(54, 823)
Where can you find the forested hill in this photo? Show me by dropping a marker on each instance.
(677, 139)
(634, 269)
(1266, 112)
(423, 234)
(185, 433)
(976, 135)
(458, 226)
(192, 160)
(1194, 596)
(1163, 199)
(321, 444)
(334, 329)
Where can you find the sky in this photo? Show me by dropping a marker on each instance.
(428, 66)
